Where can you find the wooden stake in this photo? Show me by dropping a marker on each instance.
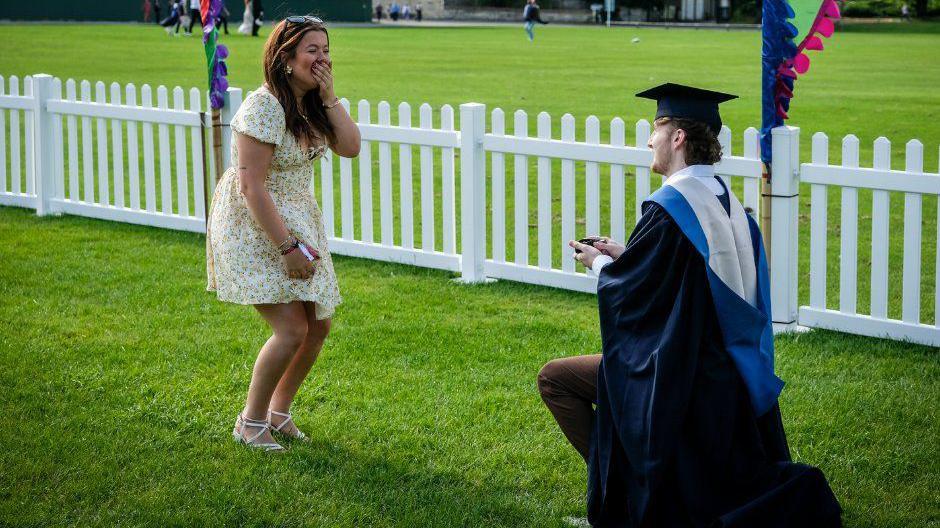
(765, 220)
(207, 200)
(217, 144)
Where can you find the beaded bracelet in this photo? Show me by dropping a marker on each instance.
(292, 247)
(291, 239)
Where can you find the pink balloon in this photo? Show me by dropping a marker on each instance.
(825, 27)
(813, 43)
(801, 63)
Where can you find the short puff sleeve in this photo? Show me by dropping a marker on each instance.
(261, 117)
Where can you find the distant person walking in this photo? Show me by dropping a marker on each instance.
(406, 12)
(223, 19)
(531, 14)
(378, 12)
(155, 7)
(394, 11)
(194, 16)
(172, 22)
(905, 12)
(248, 21)
(184, 15)
(257, 14)
(418, 13)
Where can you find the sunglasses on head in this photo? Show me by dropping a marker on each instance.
(303, 19)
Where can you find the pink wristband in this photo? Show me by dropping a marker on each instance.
(307, 253)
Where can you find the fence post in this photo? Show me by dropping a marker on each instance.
(233, 100)
(43, 147)
(472, 199)
(784, 229)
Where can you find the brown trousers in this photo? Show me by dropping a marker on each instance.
(569, 390)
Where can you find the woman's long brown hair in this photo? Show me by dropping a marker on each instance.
(281, 45)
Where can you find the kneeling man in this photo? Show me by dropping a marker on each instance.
(687, 430)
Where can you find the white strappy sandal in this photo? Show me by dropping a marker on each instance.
(262, 425)
(297, 434)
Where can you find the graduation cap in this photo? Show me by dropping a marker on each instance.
(686, 102)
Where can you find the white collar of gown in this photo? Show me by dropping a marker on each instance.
(704, 173)
(731, 253)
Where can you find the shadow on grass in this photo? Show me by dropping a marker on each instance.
(408, 493)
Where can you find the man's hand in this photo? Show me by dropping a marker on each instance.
(587, 253)
(610, 247)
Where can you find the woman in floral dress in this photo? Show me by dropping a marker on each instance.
(266, 245)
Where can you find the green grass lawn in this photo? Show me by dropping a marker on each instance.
(123, 375)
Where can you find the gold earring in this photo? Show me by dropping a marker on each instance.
(289, 70)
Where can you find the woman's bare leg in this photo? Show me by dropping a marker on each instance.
(288, 323)
(300, 365)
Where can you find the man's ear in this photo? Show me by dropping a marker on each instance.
(678, 138)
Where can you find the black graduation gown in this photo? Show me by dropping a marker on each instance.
(676, 441)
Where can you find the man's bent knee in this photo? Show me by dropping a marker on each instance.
(547, 376)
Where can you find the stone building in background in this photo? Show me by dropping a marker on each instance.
(570, 11)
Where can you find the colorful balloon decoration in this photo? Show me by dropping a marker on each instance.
(215, 53)
(790, 28)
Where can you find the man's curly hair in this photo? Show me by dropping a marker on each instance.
(701, 144)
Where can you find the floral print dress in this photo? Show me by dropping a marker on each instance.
(242, 264)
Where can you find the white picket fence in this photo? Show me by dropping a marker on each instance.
(914, 183)
(49, 141)
(55, 166)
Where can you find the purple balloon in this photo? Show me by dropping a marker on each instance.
(218, 84)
